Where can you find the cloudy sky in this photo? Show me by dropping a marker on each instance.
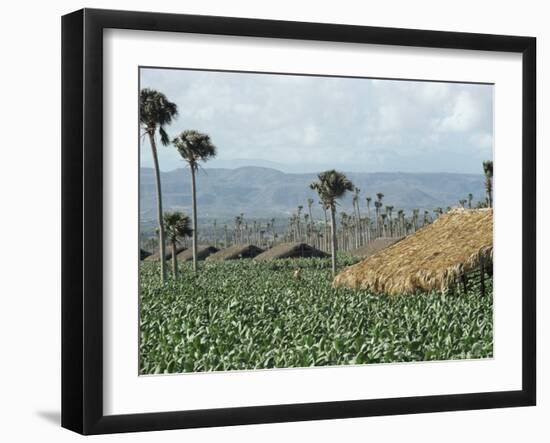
(308, 124)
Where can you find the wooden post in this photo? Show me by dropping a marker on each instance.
(482, 276)
(464, 283)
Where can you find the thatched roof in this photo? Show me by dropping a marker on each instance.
(291, 250)
(167, 253)
(235, 252)
(143, 254)
(203, 251)
(374, 246)
(431, 259)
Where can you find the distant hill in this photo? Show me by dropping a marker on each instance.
(261, 192)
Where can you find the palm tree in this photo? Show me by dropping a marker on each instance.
(155, 112)
(438, 212)
(389, 210)
(177, 226)
(384, 216)
(488, 171)
(331, 186)
(194, 147)
(470, 198)
(426, 219)
(378, 206)
(357, 214)
(298, 221)
(400, 221)
(415, 219)
(215, 235)
(325, 231)
(309, 205)
(369, 199)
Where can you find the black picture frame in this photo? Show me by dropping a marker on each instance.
(82, 260)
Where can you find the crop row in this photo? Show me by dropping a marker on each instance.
(247, 315)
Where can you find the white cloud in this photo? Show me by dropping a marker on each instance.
(482, 140)
(465, 114)
(293, 119)
(311, 135)
(245, 108)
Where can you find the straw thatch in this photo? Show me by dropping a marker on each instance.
(235, 252)
(203, 251)
(431, 259)
(374, 246)
(167, 253)
(291, 250)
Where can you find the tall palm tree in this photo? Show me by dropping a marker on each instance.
(470, 198)
(194, 147)
(331, 186)
(357, 214)
(415, 219)
(369, 199)
(177, 226)
(215, 235)
(299, 221)
(325, 227)
(488, 171)
(389, 210)
(378, 206)
(384, 216)
(155, 112)
(309, 205)
(400, 221)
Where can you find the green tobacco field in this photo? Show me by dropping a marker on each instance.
(241, 314)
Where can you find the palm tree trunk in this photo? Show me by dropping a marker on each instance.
(360, 241)
(194, 197)
(159, 208)
(334, 245)
(174, 261)
(325, 229)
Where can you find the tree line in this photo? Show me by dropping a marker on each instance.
(155, 113)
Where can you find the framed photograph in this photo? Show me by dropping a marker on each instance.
(268, 221)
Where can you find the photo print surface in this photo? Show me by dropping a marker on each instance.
(293, 221)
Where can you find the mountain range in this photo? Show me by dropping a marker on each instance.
(261, 192)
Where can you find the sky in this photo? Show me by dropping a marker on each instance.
(309, 124)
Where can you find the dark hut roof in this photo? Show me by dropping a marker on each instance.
(143, 254)
(235, 252)
(374, 246)
(291, 250)
(431, 259)
(203, 251)
(167, 253)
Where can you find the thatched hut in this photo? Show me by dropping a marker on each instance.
(434, 258)
(167, 253)
(290, 250)
(374, 246)
(203, 251)
(235, 252)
